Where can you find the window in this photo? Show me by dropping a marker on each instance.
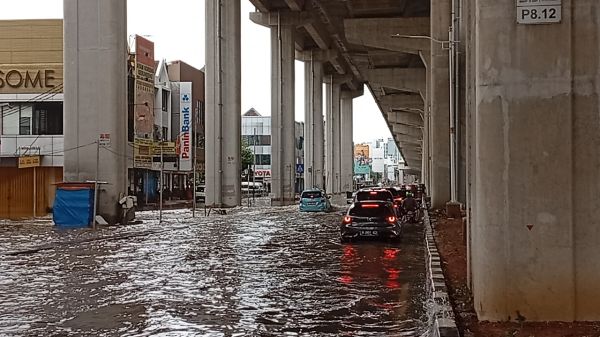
(262, 159)
(165, 100)
(258, 140)
(376, 210)
(311, 195)
(10, 114)
(201, 116)
(48, 119)
(43, 118)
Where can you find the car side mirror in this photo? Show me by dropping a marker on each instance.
(328, 197)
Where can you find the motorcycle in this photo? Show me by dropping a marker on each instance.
(411, 217)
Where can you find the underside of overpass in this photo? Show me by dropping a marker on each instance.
(354, 38)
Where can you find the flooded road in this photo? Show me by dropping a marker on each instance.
(257, 272)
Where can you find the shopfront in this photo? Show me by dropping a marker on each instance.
(31, 116)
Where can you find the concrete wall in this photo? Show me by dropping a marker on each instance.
(535, 237)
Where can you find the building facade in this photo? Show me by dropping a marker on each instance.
(256, 133)
(166, 126)
(31, 116)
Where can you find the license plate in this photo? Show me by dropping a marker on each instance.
(369, 233)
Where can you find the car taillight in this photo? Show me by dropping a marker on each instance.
(373, 193)
(398, 199)
(370, 205)
(347, 220)
(391, 219)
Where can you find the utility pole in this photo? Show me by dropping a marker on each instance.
(96, 183)
(254, 164)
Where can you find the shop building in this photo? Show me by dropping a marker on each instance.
(166, 126)
(31, 116)
(31, 120)
(256, 133)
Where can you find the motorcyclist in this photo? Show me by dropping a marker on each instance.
(409, 204)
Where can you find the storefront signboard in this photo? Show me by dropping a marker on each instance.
(185, 133)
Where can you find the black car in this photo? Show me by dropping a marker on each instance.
(371, 219)
(398, 197)
(374, 194)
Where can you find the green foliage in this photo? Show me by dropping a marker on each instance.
(247, 155)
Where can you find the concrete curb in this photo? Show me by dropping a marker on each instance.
(442, 323)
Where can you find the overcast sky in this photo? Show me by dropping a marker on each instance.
(179, 34)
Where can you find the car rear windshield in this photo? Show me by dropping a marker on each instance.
(373, 210)
(395, 192)
(374, 195)
(311, 195)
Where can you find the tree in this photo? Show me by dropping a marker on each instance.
(247, 155)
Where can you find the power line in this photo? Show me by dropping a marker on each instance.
(39, 98)
(68, 150)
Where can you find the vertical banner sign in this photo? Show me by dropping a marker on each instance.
(185, 134)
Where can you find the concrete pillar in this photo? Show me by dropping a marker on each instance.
(314, 167)
(223, 103)
(536, 241)
(95, 87)
(332, 135)
(283, 153)
(440, 106)
(347, 143)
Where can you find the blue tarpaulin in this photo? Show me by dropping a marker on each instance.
(73, 207)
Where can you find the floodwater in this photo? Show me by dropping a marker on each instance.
(253, 272)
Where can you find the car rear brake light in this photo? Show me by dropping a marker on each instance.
(370, 205)
(373, 193)
(347, 219)
(391, 219)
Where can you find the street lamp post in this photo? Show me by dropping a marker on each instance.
(451, 45)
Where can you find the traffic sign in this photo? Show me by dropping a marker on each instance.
(104, 139)
(299, 168)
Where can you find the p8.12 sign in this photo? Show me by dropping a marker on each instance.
(539, 11)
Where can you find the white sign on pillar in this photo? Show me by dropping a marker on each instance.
(532, 12)
(185, 130)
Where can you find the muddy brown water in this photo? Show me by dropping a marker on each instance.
(259, 272)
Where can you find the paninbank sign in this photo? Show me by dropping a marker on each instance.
(185, 135)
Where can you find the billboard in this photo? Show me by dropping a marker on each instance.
(144, 88)
(362, 152)
(144, 51)
(186, 126)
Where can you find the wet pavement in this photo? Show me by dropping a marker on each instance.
(259, 272)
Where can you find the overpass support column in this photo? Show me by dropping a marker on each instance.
(283, 154)
(313, 125)
(333, 136)
(535, 234)
(347, 142)
(95, 87)
(223, 103)
(440, 106)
